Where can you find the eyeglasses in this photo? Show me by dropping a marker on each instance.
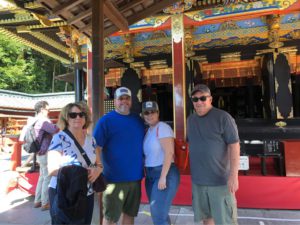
(202, 98)
(73, 115)
(149, 112)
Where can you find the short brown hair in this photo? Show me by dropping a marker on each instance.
(40, 105)
(64, 115)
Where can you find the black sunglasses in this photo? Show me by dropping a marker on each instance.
(73, 115)
(202, 98)
(149, 112)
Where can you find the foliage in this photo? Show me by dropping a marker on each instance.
(25, 70)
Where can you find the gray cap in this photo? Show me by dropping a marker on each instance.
(201, 88)
(122, 91)
(149, 106)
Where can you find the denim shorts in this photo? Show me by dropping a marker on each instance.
(121, 198)
(214, 202)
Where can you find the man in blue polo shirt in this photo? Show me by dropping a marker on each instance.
(119, 134)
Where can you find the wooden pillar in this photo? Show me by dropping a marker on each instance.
(89, 79)
(179, 87)
(190, 71)
(79, 87)
(97, 60)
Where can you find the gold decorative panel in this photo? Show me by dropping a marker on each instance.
(245, 68)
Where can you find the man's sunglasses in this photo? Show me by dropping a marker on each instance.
(149, 112)
(73, 115)
(202, 98)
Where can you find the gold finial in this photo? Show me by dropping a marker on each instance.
(280, 124)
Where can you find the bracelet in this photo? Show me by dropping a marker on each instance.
(99, 165)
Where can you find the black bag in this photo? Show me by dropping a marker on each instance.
(70, 203)
(31, 144)
(100, 183)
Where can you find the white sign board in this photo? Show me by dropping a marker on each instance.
(244, 163)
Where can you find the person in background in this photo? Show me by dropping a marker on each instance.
(63, 151)
(30, 157)
(120, 134)
(44, 129)
(214, 160)
(162, 176)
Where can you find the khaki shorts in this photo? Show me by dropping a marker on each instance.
(121, 198)
(214, 202)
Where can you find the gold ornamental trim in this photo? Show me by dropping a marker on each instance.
(177, 28)
(50, 41)
(280, 124)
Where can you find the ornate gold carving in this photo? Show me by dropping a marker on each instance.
(167, 48)
(128, 48)
(74, 40)
(157, 20)
(295, 34)
(33, 5)
(189, 43)
(228, 25)
(273, 22)
(158, 34)
(177, 28)
(43, 20)
(53, 43)
(280, 124)
(231, 57)
(180, 7)
(8, 5)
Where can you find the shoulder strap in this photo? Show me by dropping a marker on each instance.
(157, 129)
(86, 158)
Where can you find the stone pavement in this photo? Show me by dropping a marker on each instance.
(16, 208)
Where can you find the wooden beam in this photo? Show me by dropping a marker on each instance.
(141, 15)
(80, 16)
(65, 6)
(113, 14)
(110, 30)
(155, 8)
(131, 5)
(85, 28)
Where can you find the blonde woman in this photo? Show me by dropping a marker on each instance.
(74, 120)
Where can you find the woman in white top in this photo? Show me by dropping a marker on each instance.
(74, 117)
(162, 176)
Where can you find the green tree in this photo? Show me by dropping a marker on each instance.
(25, 70)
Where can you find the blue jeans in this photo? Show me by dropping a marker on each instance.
(88, 217)
(161, 200)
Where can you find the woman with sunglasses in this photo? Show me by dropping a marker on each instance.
(65, 152)
(162, 176)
